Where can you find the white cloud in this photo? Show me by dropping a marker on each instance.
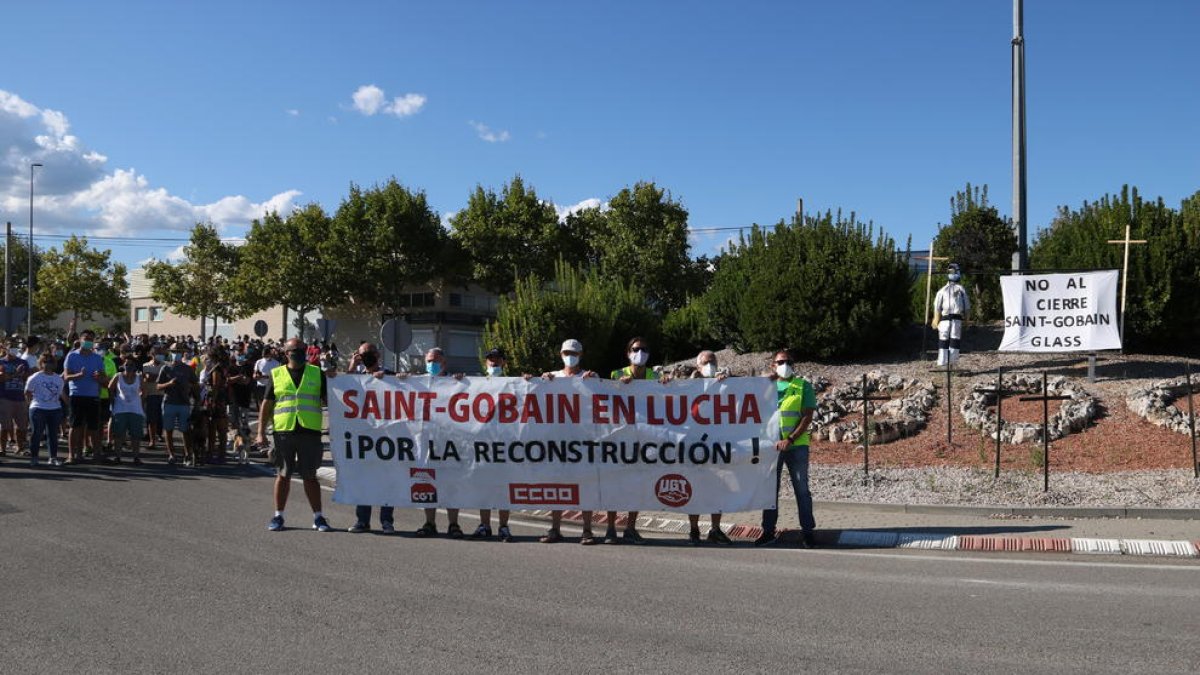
(76, 191)
(292, 112)
(590, 203)
(487, 134)
(371, 100)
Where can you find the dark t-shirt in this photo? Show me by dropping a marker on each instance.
(298, 375)
(241, 390)
(179, 393)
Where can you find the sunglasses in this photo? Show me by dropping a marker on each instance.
(786, 362)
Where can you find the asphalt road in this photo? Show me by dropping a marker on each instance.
(171, 570)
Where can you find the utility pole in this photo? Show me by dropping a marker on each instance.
(1020, 259)
(8, 265)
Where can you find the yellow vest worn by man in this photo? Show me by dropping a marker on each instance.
(294, 404)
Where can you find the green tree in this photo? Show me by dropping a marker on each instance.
(1164, 274)
(507, 235)
(196, 286)
(641, 237)
(20, 274)
(291, 261)
(82, 280)
(982, 243)
(600, 311)
(829, 287)
(395, 240)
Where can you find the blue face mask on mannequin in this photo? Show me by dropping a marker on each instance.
(433, 368)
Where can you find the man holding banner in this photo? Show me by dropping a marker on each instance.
(797, 403)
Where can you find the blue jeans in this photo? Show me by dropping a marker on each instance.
(386, 514)
(43, 421)
(796, 459)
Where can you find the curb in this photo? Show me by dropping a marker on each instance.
(1021, 511)
(930, 541)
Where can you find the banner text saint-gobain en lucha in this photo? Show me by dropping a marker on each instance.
(698, 446)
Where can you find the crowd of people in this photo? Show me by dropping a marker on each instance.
(103, 393)
(108, 395)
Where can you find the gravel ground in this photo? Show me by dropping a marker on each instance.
(1120, 460)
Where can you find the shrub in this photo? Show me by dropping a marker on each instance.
(829, 287)
(600, 311)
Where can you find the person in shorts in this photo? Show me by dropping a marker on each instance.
(127, 396)
(14, 412)
(178, 383)
(293, 404)
(84, 373)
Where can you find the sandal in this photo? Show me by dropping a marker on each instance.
(551, 537)
(454, 531)
(426, 530)
(587, 539)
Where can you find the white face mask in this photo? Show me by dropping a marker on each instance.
(495, 371)
(639, 358)
(784, 371)
(708, 370)
(570, 360)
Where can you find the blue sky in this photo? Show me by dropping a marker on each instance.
(149, 116)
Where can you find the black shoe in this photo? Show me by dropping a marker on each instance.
(359, 527)
(454, 531)
(716, 536)
(694, 536)
(426, 530)
(632, 536)
(808, 539)
(766, 539)
(610, 536)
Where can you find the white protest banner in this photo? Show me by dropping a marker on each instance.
(696, 446)
(1060, 312)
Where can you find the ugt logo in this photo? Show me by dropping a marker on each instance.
(423, 491)
(673, 490)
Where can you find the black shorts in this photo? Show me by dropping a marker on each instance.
(298, 452)
(85, 411)
(105, 410)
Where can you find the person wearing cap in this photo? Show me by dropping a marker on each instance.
(366, 361)
(179, 384)
(571, 353)
(950, 308)
(706, 367)
(84, 373)
(797, 403)
(496, 363)
(435, 366)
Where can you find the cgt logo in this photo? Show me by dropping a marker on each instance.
(673, 490)
(560, 494)
(423, 492)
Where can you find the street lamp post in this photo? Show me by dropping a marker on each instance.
(29, 254)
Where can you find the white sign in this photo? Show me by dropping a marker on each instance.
(1060, 312)
(695, 446)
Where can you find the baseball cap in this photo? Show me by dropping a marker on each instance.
(572, 346)
(494, 353)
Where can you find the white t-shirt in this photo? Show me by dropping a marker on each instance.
(264, 366)
(46, 389)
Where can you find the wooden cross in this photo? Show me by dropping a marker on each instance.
(1125, 275)
(1045, 398)
(867, 427)
(928, 289)
(1000, 393)
(1192, 421)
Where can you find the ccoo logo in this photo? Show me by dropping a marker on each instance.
(673, 490)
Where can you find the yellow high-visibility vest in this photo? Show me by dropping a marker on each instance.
(297, 404)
